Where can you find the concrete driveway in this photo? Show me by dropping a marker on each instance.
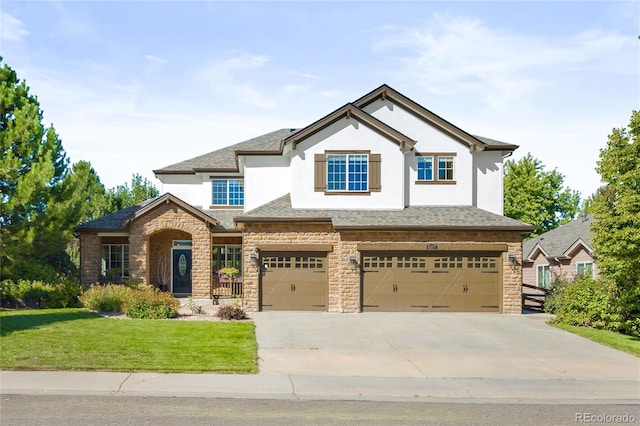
(434, 346)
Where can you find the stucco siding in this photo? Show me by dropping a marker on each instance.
(189, 188)
(350, 135)
(488, 188)
(429, 140)
(265, 179)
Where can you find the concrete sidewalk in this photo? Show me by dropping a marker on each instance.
(469, 358)
(264, 386)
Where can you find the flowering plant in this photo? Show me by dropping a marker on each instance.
(229, 272)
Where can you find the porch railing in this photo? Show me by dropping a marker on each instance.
(225, 288)
(533, 298)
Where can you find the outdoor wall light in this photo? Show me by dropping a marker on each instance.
(352, 262)
(254, 257)
(513, 259)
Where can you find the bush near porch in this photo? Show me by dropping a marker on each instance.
(140, 301)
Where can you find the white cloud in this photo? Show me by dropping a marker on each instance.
(232, 76)
(460, 55)
(155, 59)
(11, 28)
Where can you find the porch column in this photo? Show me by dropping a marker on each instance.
(201, 263)
(138, 254)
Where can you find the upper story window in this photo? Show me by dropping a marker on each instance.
(348, 172)
(436, 168)
(584, 269)
(345, 173)
(227, 192)
(425, 168)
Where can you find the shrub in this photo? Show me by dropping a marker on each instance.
(151, 304)
(108, 298)
(586, 302)
(8, 293)
(62, 294)
(629, 303)
(231, 313)
(35, 291)
(65, 294)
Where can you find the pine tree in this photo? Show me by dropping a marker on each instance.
(33, 166)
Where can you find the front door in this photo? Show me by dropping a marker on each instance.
(181, 271)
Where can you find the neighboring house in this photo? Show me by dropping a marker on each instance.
(564, 252)
(379, 205)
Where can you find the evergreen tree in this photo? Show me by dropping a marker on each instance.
(32, 168)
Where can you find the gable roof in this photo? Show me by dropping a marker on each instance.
(226, 159)
(413, 217)
(477, 142)
(562, 241)
(351, 111)
(119, 221)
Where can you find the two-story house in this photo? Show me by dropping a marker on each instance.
(381, 205)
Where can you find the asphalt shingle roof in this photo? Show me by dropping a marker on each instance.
(225, 158)
(119, 220)
(434, 217)
(115, 221)
(556, 242)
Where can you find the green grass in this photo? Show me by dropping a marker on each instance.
(76, 339)
(612, 339)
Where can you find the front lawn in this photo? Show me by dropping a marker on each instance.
(76, 339)
(612, 339)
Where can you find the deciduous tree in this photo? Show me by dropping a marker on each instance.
(122, 196)
(616, 207)
(536, 196)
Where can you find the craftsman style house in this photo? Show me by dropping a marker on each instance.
(562, 253)
(379, 205)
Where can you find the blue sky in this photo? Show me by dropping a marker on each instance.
(136, 86)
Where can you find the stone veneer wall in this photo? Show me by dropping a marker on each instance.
(160, 256)
(344, 282)
(90, 258)
(171, 217)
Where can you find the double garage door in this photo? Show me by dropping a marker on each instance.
(462, 282)
(465, 282)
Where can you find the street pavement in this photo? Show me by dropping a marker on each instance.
(469, 358)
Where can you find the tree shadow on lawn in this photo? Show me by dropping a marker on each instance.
(33, 318)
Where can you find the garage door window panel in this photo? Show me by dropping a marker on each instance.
(293, 282)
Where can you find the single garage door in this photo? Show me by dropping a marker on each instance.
(294, 282)
(461, 282)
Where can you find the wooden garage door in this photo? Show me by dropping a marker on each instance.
(294, 282)
(465, 282)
